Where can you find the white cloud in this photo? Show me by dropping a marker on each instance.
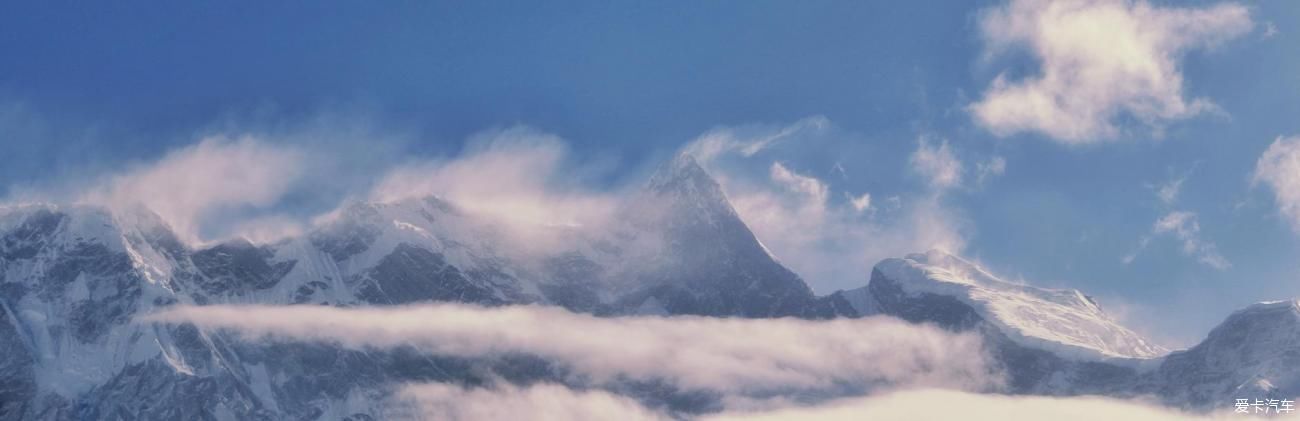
(1183, 226)
(860, 203)
(929, 224)
(1168, 192)
(1142, 245)
(217, 174)
(730, 356)
(540, 402)
(938, 165)
(827, 236)
(513, 175)
(811, 187)
(1099, 61)
(838, 168)
(747, 141)
(834, 247)
(923, 405)
(989, 169)
(555, 402)
(268, 229)
(1279, 169)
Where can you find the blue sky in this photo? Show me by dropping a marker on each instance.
(876, 98)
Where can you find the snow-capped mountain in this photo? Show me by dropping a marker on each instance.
(1066, 322)
(1055, 342)
(72, 278)
(707, 261)
(1060, 342)
(75, 276)
(1253, 354)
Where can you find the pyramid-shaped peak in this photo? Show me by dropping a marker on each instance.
(684, 161)
(682, 174)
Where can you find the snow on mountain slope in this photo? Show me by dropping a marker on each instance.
(861, 300)
(72, 279)
(392, 252)
(1066, 322)
(1254, 353)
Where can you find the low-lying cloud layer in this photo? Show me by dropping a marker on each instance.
(555, 402)
(937, 405)
(542, 402)
(729, 356)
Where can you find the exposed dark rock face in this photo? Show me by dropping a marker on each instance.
(17, 381)
(238, 266)
(1253, 354)
(353, 233)
(711, 263)
(412, 274)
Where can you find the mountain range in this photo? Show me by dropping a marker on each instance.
(73, 278)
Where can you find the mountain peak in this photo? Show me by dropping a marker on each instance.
(1064, 320)
(1252, 353)
(1287, 307)
(682, 172)
(88, 223)
(683, 188)
(1274, 317)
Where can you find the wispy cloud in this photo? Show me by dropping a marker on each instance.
(1278, 168)
(936, 164)
(1098, 61)
(861, 202)
(991, 168)
(1182, 225)
(268, 183)
(810, 187)
(748, 140)
(831, 236)
(519, 176)
(1168, 192)
(191, 183)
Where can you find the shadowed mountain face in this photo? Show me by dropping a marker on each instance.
(1059, 342)
(1253, 354)
(73, 278)
(710, 262)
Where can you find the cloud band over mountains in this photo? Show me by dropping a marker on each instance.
(731, 356)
